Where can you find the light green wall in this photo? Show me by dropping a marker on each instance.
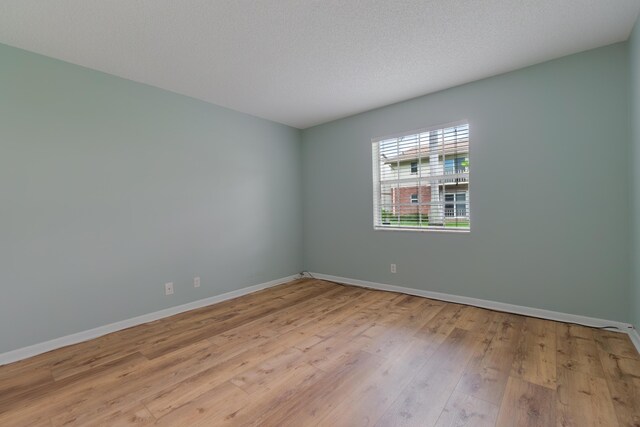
(110, 188)
(634, 98)
(550, 194)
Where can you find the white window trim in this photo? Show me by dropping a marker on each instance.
(377, 186)
(455, 203)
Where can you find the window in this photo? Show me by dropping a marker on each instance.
(421, 179)
(455, 205)
(414, 167)
(455, 165)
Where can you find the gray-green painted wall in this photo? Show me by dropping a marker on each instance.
(550, 194)
(110, 188)
(634, 98)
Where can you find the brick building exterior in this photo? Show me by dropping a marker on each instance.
(402, 200)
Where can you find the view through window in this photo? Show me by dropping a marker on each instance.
(421, 180)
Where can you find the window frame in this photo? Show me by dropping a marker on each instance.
(411, 167)
(455, 202)
(457, 168)
(377, 221)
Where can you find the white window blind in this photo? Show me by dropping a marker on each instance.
(431, 163)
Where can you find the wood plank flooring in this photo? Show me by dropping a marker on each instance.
(311, 352)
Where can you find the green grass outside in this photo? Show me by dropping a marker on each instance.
(424, 224)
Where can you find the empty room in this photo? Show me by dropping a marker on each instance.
(320, 213)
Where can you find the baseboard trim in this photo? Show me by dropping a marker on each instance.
(492, 305)
(635, 338)
(34, 350)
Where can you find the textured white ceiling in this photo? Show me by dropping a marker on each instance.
(305, 62)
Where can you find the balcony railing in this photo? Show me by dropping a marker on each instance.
(448, 175)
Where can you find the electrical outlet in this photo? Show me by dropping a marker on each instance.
(196, 282)
(393, 268)
(168, 288)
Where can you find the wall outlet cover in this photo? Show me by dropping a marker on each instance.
(168, 288)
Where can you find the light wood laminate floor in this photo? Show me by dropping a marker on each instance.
(312, 352)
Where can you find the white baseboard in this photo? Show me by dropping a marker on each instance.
(635, 338)
(33, 350)
(493, 305)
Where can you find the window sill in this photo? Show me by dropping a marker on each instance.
(453, 230)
